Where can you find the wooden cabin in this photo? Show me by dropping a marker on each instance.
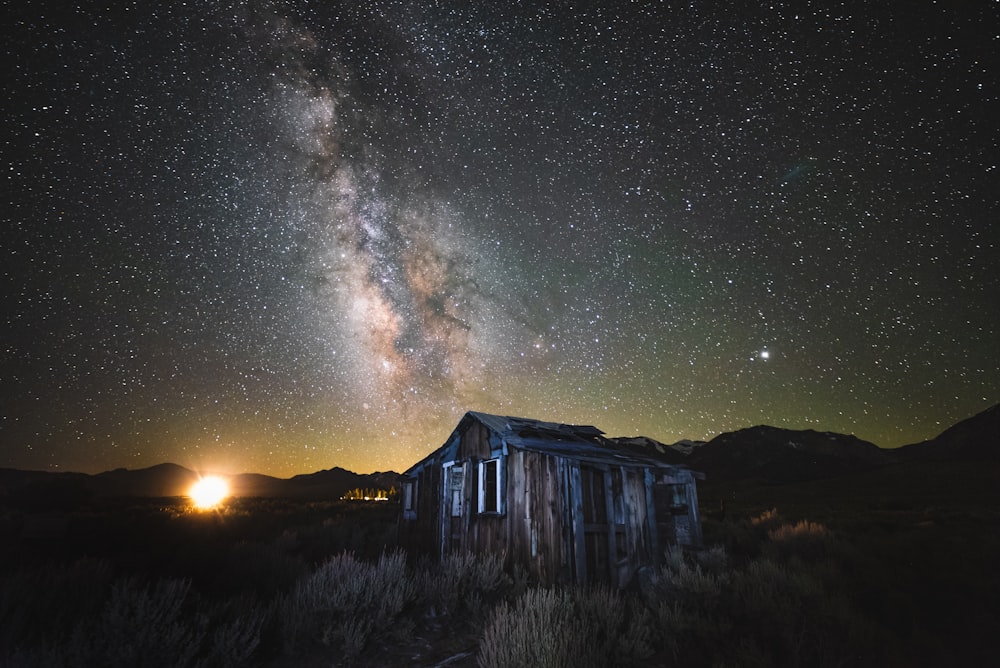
(563, 501)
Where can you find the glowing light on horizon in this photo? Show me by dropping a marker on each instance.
(209, 492)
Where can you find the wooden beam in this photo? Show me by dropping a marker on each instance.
(654, 537)
(609, 509)
(574, 500)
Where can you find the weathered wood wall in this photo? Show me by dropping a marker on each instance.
(534, 515)
(422, 535)
(612, 521)
(639, 535)
(475, 443)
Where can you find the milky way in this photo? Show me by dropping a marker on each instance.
(285, 236)
(399, 306)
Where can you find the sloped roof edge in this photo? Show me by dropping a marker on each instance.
(584, 442)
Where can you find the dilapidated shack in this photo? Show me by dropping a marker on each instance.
(563, 501)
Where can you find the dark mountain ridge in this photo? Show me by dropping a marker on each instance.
(784, 455)
(165, 480)
(773, 454)
(158, 480)
(977, 437)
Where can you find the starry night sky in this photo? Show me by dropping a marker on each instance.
(286, 236)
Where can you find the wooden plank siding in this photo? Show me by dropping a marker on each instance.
(613, 529)
(653, 543)
(534, 514)
(575, 500)
(422, 534)
(530, 531)
(475, 443)
(637, 525)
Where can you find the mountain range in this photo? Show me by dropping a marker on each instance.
(785, 455)
(165, 480)
(761, 453)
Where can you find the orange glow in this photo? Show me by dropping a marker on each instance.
(209, 492)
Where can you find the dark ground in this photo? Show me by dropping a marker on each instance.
(920, 543)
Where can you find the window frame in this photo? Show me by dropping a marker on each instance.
(410, 499)
(496, 477)
(672, 498)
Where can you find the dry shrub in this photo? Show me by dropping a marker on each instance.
(553, 628)
(805, 540)
(801, 528)
(236, 632)
(786, 615)
(39, 606)
(346, 604)
(80, 616)
(767, 520)
(464, 584)
(686, 603)
(743, 538)
(713, 559)
(140, 625)
(764, 611)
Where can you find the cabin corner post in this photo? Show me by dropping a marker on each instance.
(567, 558)
(612, 529)
(651, 521)
(695, 512)
(574, 498)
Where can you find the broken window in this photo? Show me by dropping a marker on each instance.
(410, 499)
(670, 499)
(456, 488)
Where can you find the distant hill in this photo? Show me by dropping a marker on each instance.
(975, 438)
(165, 480)
(784, 455)
(687, 446)
(644, 445)
(771, 454)
(159, 480)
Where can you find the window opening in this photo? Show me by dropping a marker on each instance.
(489, 486)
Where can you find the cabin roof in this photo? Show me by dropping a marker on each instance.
(581, 442)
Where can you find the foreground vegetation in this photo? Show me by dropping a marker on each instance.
(269, 583)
